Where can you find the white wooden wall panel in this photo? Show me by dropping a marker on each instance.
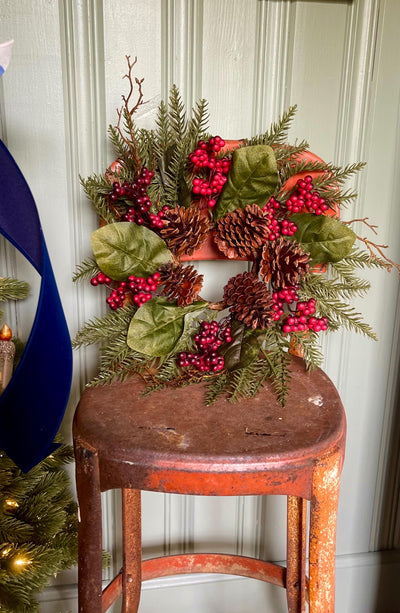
(337, 60)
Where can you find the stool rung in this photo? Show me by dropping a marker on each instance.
(214, 563)
(111, 592)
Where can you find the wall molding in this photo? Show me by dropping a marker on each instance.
(367, 567)
(182, 35)
(273, 53)
(82, 56)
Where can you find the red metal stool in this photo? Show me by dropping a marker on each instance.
(170, 442)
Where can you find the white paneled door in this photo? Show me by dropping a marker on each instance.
(338, 60)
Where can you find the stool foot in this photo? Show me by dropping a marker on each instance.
(132, 548)
(296, 554)
(323, 511)
(89, 529)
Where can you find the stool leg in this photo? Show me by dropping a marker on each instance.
(89, 530)
(132, 550)
(296, 554)
(323, 512)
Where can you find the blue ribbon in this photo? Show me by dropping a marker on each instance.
(33, 403)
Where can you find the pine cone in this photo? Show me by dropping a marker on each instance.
(284, 262)
(249, 300)
(181, 282)
(242, 232)
(185, 230)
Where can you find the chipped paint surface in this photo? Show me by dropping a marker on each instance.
(317, 400)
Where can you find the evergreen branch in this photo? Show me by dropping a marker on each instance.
(198, 123)
(242, 382)
(339, 314)
(216, 388)
(100, 329)
(287, 153)
(277, 133)
(309, 348)
(177, 115)
(12, 289)
(96, 188)
(86, 270)
(163, 134)
(278, 361)
(337, 176)
(334, 288)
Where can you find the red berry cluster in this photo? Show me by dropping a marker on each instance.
(286, 295)
(306, 199)
(303, 319)
(208, 342)
(284, 227)
(136, 193)
(211, 171)
(139, 288)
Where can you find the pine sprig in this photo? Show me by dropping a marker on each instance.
(12, 289)
(96, 188)
(99, 329)
(329, 304)
(277, 133)
(215, 389)
(86, 270)
(287, 154)
(278, 362)
(177, 115)
(309, 348)
(163, 134)
(358, 258)
(242, 382)
(347, 289)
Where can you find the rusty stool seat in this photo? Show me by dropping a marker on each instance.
(170, 441)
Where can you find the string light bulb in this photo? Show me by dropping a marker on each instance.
(12, 504)
(21, 562)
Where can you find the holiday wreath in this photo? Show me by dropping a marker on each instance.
(176, 194)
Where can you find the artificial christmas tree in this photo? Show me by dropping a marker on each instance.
(38, 519)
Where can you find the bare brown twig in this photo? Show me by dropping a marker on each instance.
(128, 112)
(374, 247)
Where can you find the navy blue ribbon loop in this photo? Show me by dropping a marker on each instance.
(33, 404)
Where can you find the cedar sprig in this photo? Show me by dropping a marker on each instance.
(86, 270)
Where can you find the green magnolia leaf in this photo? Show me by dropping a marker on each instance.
(252, 178)
(123, 249)
(244, 347)
(326, 239)
(157, 326)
